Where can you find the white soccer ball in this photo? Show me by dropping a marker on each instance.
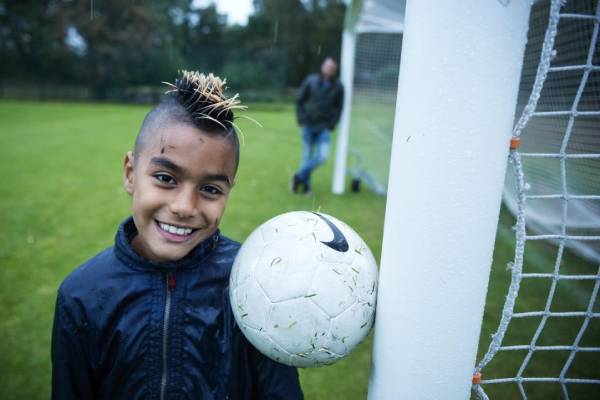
(303, 289)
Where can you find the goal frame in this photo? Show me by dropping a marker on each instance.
(449, 152)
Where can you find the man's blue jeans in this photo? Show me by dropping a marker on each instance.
(315, 150)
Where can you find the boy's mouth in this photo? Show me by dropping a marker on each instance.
(175, 232)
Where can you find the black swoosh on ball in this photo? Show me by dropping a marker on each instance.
(339, 242)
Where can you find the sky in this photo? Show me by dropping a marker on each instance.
(237, 10)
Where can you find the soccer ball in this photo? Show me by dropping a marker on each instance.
(303, 289)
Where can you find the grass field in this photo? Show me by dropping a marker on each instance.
(63, 199)
(372, 124)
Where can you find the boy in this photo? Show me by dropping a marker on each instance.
(149, 318)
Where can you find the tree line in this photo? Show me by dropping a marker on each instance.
(108, 44)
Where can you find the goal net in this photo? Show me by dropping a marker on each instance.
(547, 341)
(378, 44)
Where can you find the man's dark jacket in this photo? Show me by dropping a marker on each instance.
(319, 105)
(128, 328)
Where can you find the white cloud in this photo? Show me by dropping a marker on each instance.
(75, 41)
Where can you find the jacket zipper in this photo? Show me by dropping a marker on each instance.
(170, 280)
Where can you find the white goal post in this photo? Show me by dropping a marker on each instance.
(457, 93)
(347, 75)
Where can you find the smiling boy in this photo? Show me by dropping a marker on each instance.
(149, 318)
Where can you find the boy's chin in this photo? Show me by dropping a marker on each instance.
(171, 253)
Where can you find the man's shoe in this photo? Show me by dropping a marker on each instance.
(295, 184)
(307, 191)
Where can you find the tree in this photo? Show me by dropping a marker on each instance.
(307, 30)
(119, 44)
(126, 43)
(32, 40)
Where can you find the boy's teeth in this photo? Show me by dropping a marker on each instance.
(175, 230)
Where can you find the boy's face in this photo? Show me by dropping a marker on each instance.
(180, 184)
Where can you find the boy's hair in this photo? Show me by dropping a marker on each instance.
(197, 100)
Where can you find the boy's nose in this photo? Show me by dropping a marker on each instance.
(184, 204)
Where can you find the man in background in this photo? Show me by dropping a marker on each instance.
(318, 108)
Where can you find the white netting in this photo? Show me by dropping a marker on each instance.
(373, 107)
(378, 29)
(381, 16)
(554, 192)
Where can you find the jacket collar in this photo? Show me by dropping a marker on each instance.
(125, 252)
(333, 81)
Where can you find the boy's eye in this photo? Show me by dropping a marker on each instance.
(164, 178)
(212, 190)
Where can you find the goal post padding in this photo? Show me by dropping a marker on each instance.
(457, 93)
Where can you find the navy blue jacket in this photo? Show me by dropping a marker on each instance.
(319, 106)
(128, 328)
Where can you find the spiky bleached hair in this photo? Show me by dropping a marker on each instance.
(204, 99)
(198, 100)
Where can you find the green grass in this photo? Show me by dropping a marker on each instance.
(63, 199)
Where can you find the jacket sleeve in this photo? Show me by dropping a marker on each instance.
(337, 108)
(274, 381)
(301, 99)
(71, 372)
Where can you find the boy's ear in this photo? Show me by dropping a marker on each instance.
(128, 164)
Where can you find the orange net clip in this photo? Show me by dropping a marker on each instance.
(515, 142)
(476, 378)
